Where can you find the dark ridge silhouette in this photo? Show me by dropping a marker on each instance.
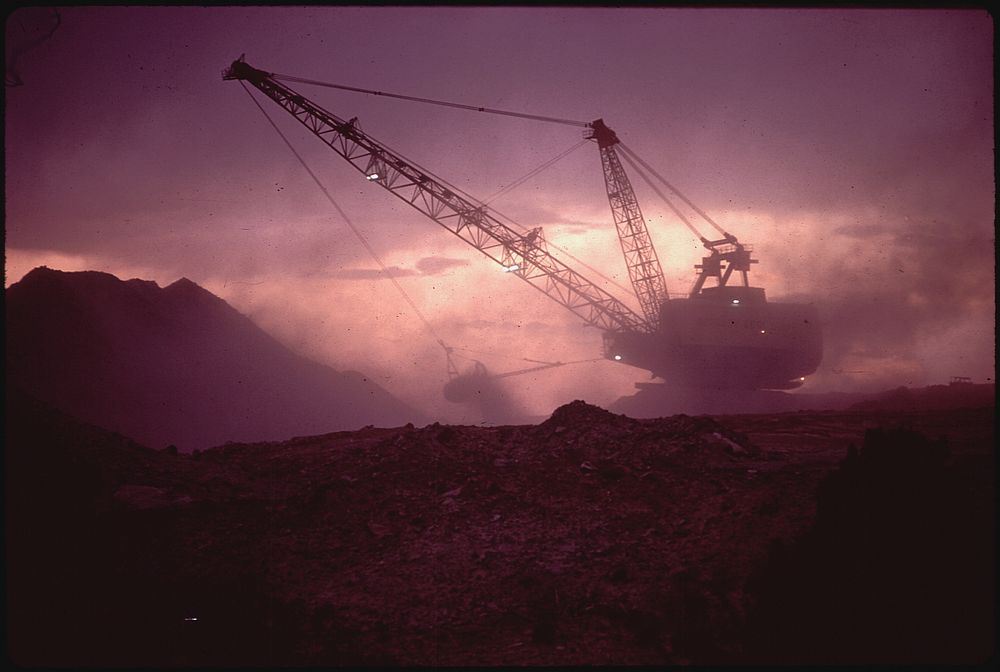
(899, 567)
(174, 365)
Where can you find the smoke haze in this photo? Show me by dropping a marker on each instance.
(853, 149)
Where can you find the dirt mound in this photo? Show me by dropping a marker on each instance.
(588, 539)
(581, 414)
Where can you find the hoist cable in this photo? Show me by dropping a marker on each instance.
(520, 359)
(568, 254)
(454, 188)
(458, 190)
(552, 365)
(474, 108)
(675, 190)
(523, 228)
(659, 193)
(497, 354)
(543, 364)
(516, 183)
(357, 232)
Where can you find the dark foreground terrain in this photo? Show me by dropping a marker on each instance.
(590, 538)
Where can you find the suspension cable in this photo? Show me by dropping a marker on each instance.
(521, 359)
(475, 108)
(462, 192)
(659, 193)
(547, 365)
(458, 190)
(675, 190)
(521, 227)
(497, 354)
(522, 115)
(543, 364)
(357, 232)
(569, 254)
(513, 185)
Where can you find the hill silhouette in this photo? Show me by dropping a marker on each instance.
(174, 365)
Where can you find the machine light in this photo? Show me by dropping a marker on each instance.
(736, 301)
(763, 331)
(803, 379)
(372, 177)
(618, 358)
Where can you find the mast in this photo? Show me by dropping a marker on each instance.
(644, 268)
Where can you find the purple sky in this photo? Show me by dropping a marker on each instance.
(852, 148)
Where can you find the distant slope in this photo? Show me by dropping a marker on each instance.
(174, 365)
(935, 397)
(655, 401)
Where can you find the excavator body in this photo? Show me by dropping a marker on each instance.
(726, 338)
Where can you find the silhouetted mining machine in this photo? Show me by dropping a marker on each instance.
(723, 335)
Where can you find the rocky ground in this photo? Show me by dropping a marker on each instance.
(590, 538)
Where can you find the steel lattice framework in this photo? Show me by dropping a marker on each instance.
(524, 255)
(644, 268)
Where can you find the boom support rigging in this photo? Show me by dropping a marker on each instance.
(644, 268)
(523, 255)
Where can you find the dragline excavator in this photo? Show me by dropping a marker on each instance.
(722, 335)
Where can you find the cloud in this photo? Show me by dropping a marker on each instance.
(438, 265)
(899, 300)
(373, 273)
(426, 266)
